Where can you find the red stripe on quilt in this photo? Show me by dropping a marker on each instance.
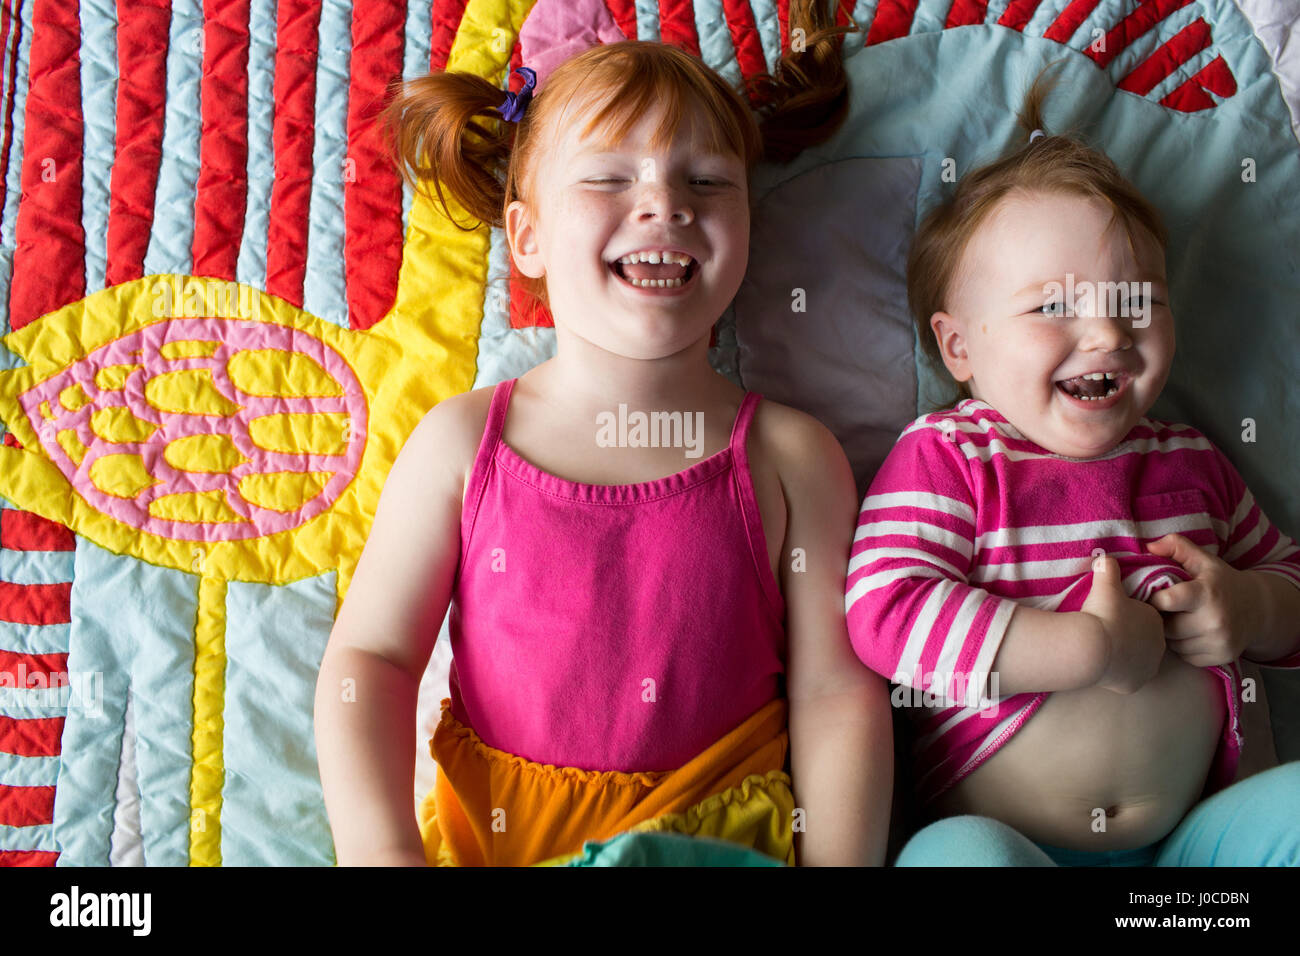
(1217, 78)
(446, 16)
(1131, 27)
(965, 13)
(221, 194)
(35, 603)
(526, 311)
(372, 187)
(10, 88)
(49, 268)
(624, 14)
(137, 152)
(31, 737)
(893, 19)
(25, 531)
(783, 21)
(27, 858)
(1018, 14)
(1192, 95)
(292, 136)
(677, 25)
(1069, 20)
(26, 806)
(33, 671)
(514, 81)
(744, 37)
(1188, 42)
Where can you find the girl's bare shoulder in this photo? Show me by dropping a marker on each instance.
(448, 436)
(791, 439)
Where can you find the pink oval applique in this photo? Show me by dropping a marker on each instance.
(143, 348)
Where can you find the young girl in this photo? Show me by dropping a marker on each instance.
(619, 616)
(1064, 587)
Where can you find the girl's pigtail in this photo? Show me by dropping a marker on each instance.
(808, 98)
(435, 133)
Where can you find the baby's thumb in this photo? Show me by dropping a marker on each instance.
(1105, 572)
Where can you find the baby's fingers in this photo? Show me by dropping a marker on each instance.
(1186, 596)
(1204, 650)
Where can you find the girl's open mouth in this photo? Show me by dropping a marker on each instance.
(655, 270)
(1095, 389)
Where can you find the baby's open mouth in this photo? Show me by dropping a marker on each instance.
(645, 270)
(1093, 386)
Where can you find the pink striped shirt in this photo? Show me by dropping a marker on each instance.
(967, 517)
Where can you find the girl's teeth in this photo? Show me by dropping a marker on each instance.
(661, 283)
(656, 257)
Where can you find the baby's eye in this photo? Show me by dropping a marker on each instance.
(1051, 308)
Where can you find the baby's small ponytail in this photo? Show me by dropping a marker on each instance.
(1030, 116)
(440, 118)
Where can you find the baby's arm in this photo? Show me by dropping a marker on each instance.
(915, 617)
(380, 645)
(841, 737)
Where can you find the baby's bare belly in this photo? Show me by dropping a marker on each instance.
(1138, 761)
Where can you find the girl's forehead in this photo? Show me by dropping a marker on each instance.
(621, 129)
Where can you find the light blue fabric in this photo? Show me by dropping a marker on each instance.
(668, 849)
(1255, 822)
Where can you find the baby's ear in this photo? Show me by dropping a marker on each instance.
(521, 236)
(950, 335)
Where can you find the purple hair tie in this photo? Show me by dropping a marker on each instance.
(512, 110)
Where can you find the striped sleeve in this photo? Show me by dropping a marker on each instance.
(1255, 544)
(912, 616)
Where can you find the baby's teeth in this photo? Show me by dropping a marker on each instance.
(1095, 376)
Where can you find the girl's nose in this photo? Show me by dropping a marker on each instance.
(661, 202)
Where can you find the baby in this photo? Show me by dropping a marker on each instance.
(1069, 583)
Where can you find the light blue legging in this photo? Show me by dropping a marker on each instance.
(1254, 822)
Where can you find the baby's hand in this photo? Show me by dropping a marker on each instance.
(1212, 617)
(1135, 640)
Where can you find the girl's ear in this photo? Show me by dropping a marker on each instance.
(521, 236)
(950, 334)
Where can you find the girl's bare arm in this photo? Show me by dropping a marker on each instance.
(841, 732)
(381, 641)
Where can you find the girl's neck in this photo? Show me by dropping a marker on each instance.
(583, 378)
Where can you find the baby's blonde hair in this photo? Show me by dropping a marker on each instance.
(1059, 163)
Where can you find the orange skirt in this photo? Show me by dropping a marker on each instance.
(492, 808)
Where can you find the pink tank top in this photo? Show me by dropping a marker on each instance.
(612, 627)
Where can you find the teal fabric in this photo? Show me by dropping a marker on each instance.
(668, 849)
(1254, 822)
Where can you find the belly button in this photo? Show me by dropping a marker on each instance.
(1111, 811)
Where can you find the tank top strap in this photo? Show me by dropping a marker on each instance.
(740, 428)
(744, 484)
(487, 450)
